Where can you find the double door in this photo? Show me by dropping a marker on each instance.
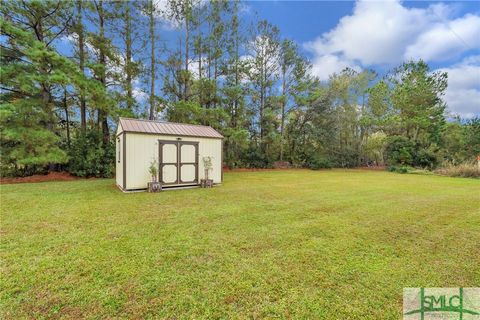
(178, 162)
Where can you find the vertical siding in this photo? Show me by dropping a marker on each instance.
(119, 161)
(213, 148)
(143, 148)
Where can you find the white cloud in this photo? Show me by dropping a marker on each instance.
(446, 40)
(463, 92)
(163, 11)
(386, 33)
(72, 38)
(138, 92)
(244, 8)
(325, 65)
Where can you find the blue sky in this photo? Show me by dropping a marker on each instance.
(382, 34)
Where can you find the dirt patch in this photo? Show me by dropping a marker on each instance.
(51, 176)
(376, 168)
(226, 169)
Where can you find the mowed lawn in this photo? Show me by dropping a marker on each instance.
(339, 244)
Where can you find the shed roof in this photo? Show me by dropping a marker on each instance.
(168, 128)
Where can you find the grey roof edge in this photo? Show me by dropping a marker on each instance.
(220, 136)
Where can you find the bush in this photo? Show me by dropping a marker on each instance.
(399, 150)
(400, 169)
(465, 170)
(89, 157)
(392, 169)
(426, 159)
(404, 169)
(320, 163)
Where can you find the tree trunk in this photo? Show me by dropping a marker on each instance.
(152, 61)
(187, 40)
(65, 106)
(215, 74)
(284, 102)
(200, 56)
(103, 114)
(128, 49)
(237, 81)
(81, 58)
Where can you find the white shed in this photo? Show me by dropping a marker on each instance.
(177, 148)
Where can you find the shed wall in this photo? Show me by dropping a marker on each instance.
(119, 160)
(142, 149)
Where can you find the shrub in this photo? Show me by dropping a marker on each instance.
(89, 157)
(466, 170)
(404, 169)
(399, 150)
(402, 151)
(425, 158)
(320, 163)
(400, 169)
(392, 168)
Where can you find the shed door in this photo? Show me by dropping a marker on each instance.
(178, 162)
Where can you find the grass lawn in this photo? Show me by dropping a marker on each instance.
(339, 244)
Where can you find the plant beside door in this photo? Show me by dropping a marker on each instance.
(207, 166)
(154, 185)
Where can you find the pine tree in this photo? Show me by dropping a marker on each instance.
(264, 48)
(106, 59)
(234, 92)
(31, 69)
(79, 29)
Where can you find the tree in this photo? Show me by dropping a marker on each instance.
(125, 18)
(31, 68)
(78, 28)
(417, 100)
(264, 57)
(151, 12)
(288, 56)
(102, 68)
(182, 14)
(234, 92)
(472, 138)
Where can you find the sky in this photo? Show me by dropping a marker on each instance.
(380, 35)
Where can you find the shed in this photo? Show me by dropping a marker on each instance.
(177, 148)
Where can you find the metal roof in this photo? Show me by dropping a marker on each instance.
(168, 128)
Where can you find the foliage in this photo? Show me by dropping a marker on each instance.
(401, 169)
(472, 137)
(90, 157)
(29, 141)
(400, 150)
(321, 162)
(374, 148)
(465, 170)
(425, 158)
(153, 169)
(27, 146)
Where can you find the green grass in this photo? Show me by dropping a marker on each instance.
(338, 244)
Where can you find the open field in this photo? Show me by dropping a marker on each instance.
(338, 244)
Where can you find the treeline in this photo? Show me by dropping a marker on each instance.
(69, 69)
